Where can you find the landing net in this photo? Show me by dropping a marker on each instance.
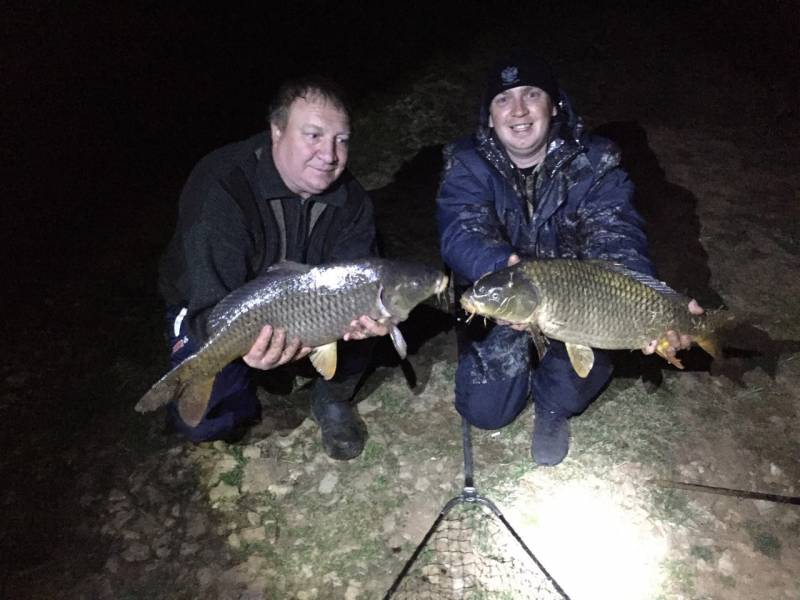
(471, 552)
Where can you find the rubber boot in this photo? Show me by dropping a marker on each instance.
(343, 432)
(550, 437)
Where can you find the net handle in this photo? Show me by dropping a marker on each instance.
(469, 482)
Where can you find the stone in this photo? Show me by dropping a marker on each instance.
(253, 534)
(223, 491)
(725, 564)
(251, 452)
(328, 483)
(280, 491)
(136, 552)
(189, 548)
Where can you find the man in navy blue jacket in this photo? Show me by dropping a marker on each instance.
(532, 183)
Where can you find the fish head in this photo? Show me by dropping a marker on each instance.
(405, 284)
(506, 294)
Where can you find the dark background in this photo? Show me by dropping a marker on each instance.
(105, 110)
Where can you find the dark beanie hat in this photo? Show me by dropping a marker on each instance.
(520, 67)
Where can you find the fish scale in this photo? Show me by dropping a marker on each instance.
(602, 308)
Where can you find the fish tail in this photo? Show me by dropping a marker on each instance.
(181, 384)
(709, 336)
(710, 343)
(163, 391)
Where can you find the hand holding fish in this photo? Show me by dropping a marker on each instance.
(271, 349)
(677, 341)
(365, 327)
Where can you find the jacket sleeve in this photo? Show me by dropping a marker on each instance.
(472, 239)
(217, 245)
(609, 226)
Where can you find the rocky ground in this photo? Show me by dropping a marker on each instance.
(103, 503)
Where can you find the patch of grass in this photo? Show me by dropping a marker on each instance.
(729, 581)
(233, 477)
(672, 506)
(264, 549)
(763, 540)
(393, 403)
(238, 454)
(373, 453)
(705, 553)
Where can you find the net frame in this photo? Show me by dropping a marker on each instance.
(470, 498)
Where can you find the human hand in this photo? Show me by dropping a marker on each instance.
(271, 349)
(366, 327)
(675, 340)
(512, 260)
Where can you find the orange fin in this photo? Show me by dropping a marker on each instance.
(710, 345)
(661, 350)
(324, 359)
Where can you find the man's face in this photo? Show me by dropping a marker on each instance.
(311, 151)
(521, 119)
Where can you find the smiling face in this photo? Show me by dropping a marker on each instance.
(521, 119)
(310, 151)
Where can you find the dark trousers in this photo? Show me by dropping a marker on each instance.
(233, 403)
(497, 374)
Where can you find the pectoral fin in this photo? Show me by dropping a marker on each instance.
(539, 341)
(381, 306)
(581, 357)
(324, 359)
(398, 341)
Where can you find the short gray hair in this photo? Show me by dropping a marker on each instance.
(308, 87)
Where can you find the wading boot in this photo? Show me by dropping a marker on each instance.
(343, 432)
(550, 438)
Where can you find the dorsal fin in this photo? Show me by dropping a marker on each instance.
(286, 267)
(648, 280)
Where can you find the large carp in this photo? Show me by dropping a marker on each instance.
(314, 304)
(590, 304)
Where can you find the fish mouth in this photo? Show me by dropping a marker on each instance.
(441, 285)
(469, 308)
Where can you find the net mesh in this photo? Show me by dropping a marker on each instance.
(471, 553)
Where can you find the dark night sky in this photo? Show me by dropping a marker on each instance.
(138, 91)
